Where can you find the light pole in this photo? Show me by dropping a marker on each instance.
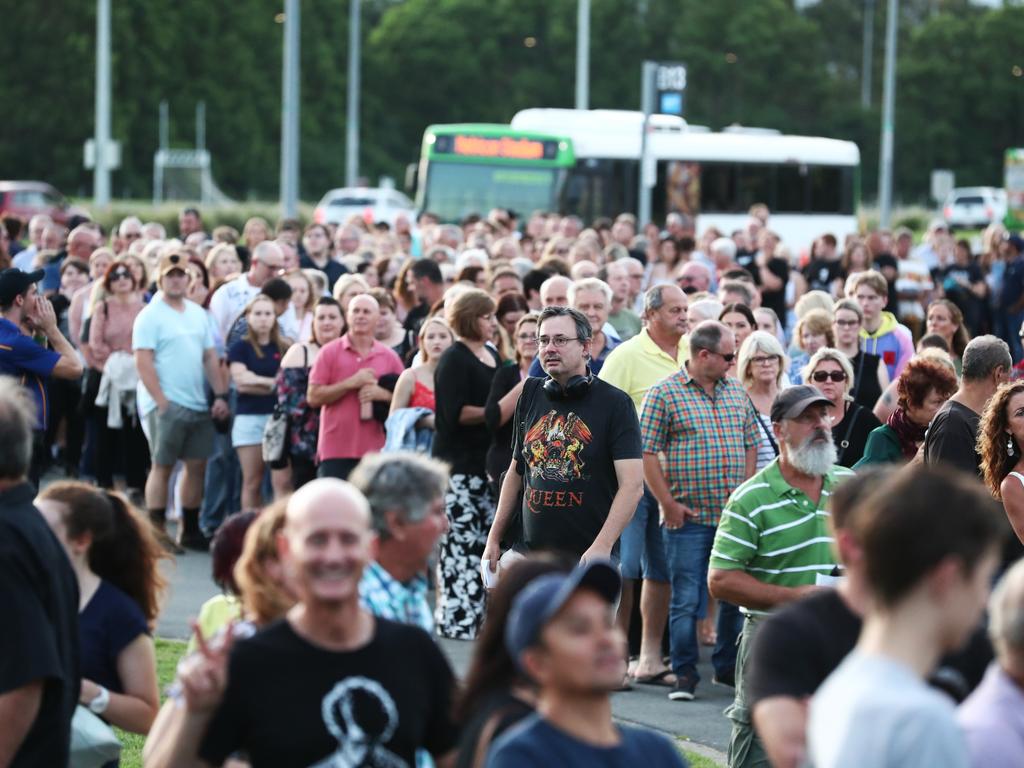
(583, 54)
(352, 118)
(101, 169)
(888, 117)
(866, 58)
(290, 111)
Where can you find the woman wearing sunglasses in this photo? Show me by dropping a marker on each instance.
(120, 443)
(830, 371)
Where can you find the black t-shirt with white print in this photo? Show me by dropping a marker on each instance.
(566, 450)
(291, 703)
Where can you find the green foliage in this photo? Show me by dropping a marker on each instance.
(754, 62)
(168, 652)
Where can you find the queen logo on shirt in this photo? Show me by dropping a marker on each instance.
(554, 447)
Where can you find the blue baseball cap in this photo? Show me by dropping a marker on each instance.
(545, 596)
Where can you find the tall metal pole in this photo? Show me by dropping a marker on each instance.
(352, 118)
(888, 117)
(165, 120)
(867, 57)
(101, 170)
(290, 111)
(583, 54)
(201, 125)
(644, 180)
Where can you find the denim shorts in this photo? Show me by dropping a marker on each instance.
(642, 548)
(247, 429)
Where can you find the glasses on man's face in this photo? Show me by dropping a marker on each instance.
(555, 341)
(763, 360)
(822, 376)
(847, 323)
(728, 357)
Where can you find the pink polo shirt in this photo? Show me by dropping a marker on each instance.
(343, 435)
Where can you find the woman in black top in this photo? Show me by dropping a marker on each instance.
(830, 371)
(869, 378)
(505, 391)
(461, 385)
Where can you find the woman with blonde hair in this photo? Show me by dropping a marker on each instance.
(346, 288)
(760, 367)
(813, 331)
(415, 386)
(1001, 446)
(832, 373)
(304, 298)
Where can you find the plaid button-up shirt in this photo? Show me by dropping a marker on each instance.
(384, 596)
(704, 438)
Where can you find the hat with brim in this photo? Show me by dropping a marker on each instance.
(793, 401)
(14, 282)
(171, 262)
(546, 595)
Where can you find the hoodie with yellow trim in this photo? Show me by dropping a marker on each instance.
(892, 342)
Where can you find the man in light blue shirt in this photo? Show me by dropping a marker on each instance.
(174, 350)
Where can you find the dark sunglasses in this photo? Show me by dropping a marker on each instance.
(823, 376)
(120, 273)
(728, 358)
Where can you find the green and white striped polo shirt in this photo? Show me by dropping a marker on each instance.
(774, 532)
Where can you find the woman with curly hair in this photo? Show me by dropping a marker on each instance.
(1001, 446)
(923, 387)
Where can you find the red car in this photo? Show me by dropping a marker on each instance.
(27, 198)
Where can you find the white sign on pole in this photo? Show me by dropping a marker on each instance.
(113, 154)
(943, 182)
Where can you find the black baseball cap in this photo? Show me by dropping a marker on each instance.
(545, 596)
(14, 282)
(792, 401)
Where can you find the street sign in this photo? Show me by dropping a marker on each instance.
(670, 88)
(113, 154)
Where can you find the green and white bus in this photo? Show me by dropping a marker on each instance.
(1013, 182)
(473, 167)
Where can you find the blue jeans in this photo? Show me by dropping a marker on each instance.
(687, 551)
(641, 549)
(222, 487)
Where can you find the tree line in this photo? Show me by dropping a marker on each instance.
(960, 92)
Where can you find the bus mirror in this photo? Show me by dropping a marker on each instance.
(411, 177)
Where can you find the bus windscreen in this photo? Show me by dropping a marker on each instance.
(455, 190)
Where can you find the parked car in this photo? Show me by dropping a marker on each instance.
(968, 207)
(375, 203)
(27, 198)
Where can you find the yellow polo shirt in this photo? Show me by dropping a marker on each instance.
(638, 364)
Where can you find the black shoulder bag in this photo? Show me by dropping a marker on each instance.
(512, 537)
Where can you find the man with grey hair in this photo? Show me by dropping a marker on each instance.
(406, 496)
(953, 432)
(991, 716)
(723, 254)
(657, 352)
(230, 300)
(694, 277)
(36, 226)
(703, 309)
(128, 231)
(593, 298)
(40, 676)
(554, 292)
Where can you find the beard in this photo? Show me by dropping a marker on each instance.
(813, 458)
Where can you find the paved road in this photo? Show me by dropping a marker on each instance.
(700, 721)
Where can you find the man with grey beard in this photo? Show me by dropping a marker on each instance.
(773, 543)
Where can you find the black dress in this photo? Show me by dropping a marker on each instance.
(462, 379)
(866, 389)
(851, 434)
(499, 453)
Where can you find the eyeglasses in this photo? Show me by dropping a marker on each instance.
(823, 376)
(763, 360)
(847, 323)
(556, 341)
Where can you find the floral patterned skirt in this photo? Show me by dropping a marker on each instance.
(461, 598)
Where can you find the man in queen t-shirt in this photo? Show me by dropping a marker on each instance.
(576, 453)
(329, 684)
(343, 384)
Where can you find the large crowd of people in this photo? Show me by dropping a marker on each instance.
(537, 435)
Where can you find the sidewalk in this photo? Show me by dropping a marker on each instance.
(700, 722)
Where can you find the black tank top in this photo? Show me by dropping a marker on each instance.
(866, 389)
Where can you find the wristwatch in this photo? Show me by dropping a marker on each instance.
(101, 701)
(223, 397)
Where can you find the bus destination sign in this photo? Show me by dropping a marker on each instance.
(501, 147)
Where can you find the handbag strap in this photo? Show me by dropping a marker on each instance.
(760, 423)
(852, 415)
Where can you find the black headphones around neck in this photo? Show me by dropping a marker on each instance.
(576, 388)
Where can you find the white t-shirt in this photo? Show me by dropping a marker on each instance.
(874, 712)
(228, 302)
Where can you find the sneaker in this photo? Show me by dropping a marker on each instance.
(727, 679)
(684, 689)
(195, 540)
